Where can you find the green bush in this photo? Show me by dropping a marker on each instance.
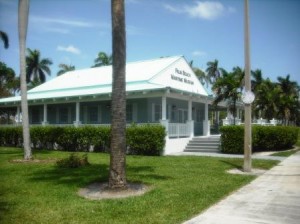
(142, 140)
(11, 136)
(73, 161)
(145, 140)
(45, 137)
(264, 138)
(232, 139)
(273, 138)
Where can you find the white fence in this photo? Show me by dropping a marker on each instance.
(260, 121)
(179, 130)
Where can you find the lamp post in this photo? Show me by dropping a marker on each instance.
(248, 96)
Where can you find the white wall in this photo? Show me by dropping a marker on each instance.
(175, 145)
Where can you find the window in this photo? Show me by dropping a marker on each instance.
(129, 113)
(63, 115)
(35, 116)
(157, 112)
(93, 114)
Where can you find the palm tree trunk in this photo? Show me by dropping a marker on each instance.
(117, 172)
(23, 23)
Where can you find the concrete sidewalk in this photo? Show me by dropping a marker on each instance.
(273, 197)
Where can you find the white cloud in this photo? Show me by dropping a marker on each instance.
(57, 30)
(199, 53)
(207, 10)
(70, 49)
(73, 22)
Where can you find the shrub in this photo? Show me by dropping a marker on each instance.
(44, 136)
(264, 138)
(142, 140)
(73, 161)
(272, 138)
(232, 139)
(145, 140)
(11, 136)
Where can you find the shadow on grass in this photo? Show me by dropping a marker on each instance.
(91, 173)
(72, 176)
(10, 152)
(233, 164)
(4, 205)
(145, 173)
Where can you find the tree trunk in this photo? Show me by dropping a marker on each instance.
(23, 23)
(117, 173)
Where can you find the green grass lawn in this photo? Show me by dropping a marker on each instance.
(182, 187)
(284, 153)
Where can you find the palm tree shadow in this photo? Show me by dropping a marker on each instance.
(145, 172)
(4, 205)
(232, 164)
(72, 176)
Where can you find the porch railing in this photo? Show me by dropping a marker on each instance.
(179, 130)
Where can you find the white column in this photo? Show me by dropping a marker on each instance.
(164, 120)
(45, 122)
(164, 108)
(190, 119)
(77, 121)
(18, 115)
(190, 110)
(206, 125)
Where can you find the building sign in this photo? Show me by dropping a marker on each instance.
(182, 76)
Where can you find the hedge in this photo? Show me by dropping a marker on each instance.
(264, 138)
(141, 140)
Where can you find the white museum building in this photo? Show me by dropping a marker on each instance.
(163, 90)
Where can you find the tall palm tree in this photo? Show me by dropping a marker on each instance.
(9, 83)
(203, 78)
(65, 68)
(213, 71)
(102, 59)
(37, 67)
(266, 99)
(229, 87)
(289, 97)
(117, 171)
(22, 26)
(34, 83)
(256, 82)
(4, 38)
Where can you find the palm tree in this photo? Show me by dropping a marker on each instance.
(256, 82)
(9, 83)
(102, 59)
(289, 97)
(65, 68)
(203, 78)
(34, 83)
(229, 87)
(117, 171)
(22, 26)
(37, 67)
(4, 38)
(213, 71)
(266, 99)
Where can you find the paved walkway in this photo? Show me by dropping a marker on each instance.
(273, 197)
(219, 154)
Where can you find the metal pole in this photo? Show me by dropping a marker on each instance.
(247, 136)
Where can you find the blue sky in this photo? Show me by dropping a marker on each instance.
(74, 31)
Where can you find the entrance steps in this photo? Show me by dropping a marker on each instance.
(204, 144)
